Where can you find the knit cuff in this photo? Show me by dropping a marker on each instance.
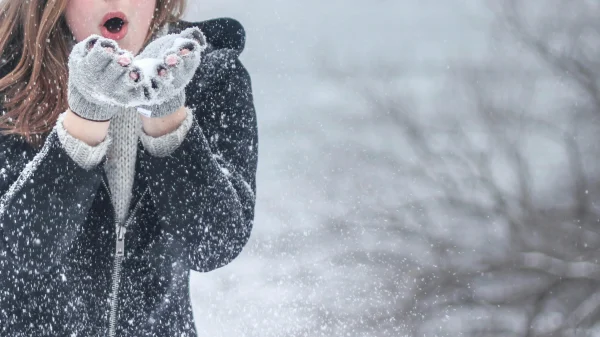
(164, 145)
(83, 154)
(83, 108)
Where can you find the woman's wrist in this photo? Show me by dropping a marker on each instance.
(90, 132)
(160, 126)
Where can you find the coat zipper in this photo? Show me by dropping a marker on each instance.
(119, 256)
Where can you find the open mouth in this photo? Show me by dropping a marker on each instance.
(114, 25)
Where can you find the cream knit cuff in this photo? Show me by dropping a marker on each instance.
(165, 145)
(83, 154)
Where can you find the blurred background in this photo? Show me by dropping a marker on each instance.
(426, 168)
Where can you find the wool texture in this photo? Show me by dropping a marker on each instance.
(120, 148)
(85, 155)
(120, 160)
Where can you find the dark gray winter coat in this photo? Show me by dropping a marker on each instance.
(191, 210)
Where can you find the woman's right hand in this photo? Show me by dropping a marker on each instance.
(102, 79)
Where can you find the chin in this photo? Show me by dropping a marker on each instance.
(134, 49)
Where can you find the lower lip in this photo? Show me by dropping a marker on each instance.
(114, 36)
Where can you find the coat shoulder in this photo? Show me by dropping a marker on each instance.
(220, 33)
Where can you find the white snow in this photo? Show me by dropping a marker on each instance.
(291, 280)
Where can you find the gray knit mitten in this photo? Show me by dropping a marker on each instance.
(167, 65)
(101, 82)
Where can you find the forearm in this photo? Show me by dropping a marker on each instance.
(205, 213)
(93, 133)
(44, 200)
(90, 132)
(156, 127)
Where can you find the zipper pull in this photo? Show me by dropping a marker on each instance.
(121, 240)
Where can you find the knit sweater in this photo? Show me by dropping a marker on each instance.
(120, 148)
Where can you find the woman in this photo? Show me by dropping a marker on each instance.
(111, 191)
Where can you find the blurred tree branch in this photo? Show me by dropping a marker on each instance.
(483, 250)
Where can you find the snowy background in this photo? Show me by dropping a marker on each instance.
(419, 174)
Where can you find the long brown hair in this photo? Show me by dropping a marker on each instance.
(35, 40)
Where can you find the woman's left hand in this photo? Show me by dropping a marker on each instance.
(166, 66)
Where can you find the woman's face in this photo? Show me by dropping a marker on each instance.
(125, 21)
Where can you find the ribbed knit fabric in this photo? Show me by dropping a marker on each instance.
(120, 147)
(120, 159)
(83, 154)
(165, 145)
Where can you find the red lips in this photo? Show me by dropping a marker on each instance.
(114, 25)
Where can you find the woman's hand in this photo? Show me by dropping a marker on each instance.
(102, 79)
(167, 65)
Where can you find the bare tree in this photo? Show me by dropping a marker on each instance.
(481, 220)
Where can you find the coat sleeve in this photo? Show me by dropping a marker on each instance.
(204, 191)
(44, 199)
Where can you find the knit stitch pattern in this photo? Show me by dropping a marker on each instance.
(120, 159)
(120, 148)
(84, 155)
(165, 145)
